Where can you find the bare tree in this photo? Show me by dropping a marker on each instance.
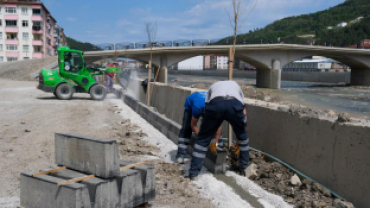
(241, 11)
(151, 33)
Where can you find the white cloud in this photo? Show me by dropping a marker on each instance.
(207, 19)
(71, 19)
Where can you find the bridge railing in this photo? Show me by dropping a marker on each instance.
(195, 42)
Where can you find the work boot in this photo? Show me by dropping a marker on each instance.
(181, 159)
(240, 171)
(191, 177)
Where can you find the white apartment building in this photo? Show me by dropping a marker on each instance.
(27, 30)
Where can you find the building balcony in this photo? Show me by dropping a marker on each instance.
(10, 29)
(12, 54)
(12, 41)
(38, 54)
(11, 16)
(36, 17)
(37, 42)
(37, 29)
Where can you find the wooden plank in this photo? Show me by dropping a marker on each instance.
(75, 180)
(49, 171)
(132, 166)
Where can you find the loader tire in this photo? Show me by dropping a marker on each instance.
(98, 92)
(64, 92)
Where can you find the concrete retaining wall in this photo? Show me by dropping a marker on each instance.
(335, 155)
(328, 77)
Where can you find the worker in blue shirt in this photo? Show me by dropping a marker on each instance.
(194, 107)
(224, 101)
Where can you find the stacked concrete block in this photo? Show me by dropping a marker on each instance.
(93, 156)
(103, 192)
(110, 188)
(131, 188)
(147, 179)
(43, 192)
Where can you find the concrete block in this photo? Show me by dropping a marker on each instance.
(103, 192)
(93, 156)
(43, 192)
(215, 164)
(147, 179)
(131, 188)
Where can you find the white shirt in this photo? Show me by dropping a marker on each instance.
(225, 89)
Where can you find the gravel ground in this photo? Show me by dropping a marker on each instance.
(29, 118)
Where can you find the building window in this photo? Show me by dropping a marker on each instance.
(1, 47)
(11, 23)
(10, 10)
(1, 21)
(25, 23)
(0, 10)
(37, 49)
(24, 10)
(36, 11)
(25, 48)
(1, 59)
(12, 36)
(26, 58)
(12, 47)
(9, 59)
(25, 36)
(1, 34)
(49, 52)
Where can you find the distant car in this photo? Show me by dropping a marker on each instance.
(249, 68)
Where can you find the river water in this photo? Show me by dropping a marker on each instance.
(322, 96)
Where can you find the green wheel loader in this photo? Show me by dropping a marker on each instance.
(73, 77)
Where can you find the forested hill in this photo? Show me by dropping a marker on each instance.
(77, 45)
(314, 27)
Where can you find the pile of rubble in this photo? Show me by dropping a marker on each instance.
(278, 179)
(90, 174)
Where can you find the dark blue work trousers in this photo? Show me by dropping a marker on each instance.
(185, 134)
(216, 112)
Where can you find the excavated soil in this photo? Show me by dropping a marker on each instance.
(276, 178)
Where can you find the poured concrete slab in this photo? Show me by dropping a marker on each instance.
(43, 192)
(93, 156)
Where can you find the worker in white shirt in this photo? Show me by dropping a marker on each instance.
(224, 101)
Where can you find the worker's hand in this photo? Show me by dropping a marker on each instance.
(213, 146)
(237, 149)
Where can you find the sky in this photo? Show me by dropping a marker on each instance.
(118, 21)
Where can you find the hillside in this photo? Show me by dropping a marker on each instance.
(77, 45)
(314, 27)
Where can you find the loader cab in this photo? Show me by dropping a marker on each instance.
(70, 61)
(73, 62)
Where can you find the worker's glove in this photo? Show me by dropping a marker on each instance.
(237, 149)
(213, 146)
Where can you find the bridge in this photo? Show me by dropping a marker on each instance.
(267, 58)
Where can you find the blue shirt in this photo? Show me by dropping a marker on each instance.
(196, 103)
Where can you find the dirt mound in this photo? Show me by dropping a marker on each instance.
(278, 179)
(22, 70)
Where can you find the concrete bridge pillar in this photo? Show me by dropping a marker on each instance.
(270, 78)
(360, 77)
(162, 75)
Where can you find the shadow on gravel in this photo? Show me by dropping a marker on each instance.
(54, 98)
